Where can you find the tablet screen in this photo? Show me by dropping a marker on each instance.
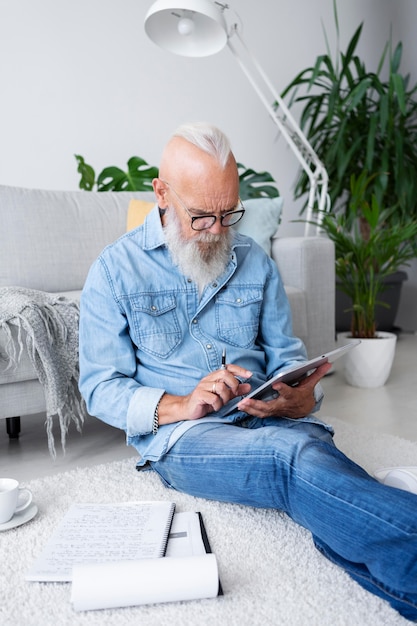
(291, 376)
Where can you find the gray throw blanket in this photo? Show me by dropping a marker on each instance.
(48, 328)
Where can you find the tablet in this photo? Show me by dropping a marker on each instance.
(292, 376)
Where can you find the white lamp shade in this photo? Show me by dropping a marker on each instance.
(192, 28)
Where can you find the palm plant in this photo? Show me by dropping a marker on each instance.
(357, 121)
(367, 251)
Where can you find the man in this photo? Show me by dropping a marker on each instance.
(158, 310)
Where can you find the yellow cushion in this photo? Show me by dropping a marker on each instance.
(136, 213)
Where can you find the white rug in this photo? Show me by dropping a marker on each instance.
(270, 571)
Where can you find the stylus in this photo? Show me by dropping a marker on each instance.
(223, 367)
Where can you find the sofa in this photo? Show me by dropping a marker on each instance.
(49, 239)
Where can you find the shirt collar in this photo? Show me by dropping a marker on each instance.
(153, 236)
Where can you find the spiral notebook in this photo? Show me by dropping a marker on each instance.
(103, 533)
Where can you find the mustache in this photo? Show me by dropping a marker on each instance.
(206, 237)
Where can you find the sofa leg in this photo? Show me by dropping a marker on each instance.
(13, 427)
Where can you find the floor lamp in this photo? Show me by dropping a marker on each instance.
(197, 28)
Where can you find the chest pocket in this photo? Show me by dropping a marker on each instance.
(237, 315)
(155, 322)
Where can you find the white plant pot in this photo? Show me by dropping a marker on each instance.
(369, 364)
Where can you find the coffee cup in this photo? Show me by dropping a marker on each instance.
(13, 499)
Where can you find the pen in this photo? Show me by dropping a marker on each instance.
(223, 367)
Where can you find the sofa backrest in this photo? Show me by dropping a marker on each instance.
(49, 239)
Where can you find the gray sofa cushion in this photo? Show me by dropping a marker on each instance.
(54, 236)
(261, 220)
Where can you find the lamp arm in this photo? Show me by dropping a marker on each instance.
(292, 133)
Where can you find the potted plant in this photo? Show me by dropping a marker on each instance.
(359, 120)
(369, 245)
(139, 175)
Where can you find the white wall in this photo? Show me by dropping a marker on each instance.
(80, 76)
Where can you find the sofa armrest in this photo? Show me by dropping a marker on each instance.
(308, 264)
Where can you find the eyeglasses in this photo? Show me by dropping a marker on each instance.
(202, 222)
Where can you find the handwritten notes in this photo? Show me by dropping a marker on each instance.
(103, 533)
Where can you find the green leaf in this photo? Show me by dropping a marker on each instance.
(396, 58)
(352, 44)
(138, 177)
(87, 173)
(370, 143)
(398, 83)
(141, 174)
(358, 93)
(112, 179)
(251, 184)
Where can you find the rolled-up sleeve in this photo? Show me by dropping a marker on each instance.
(141, 410)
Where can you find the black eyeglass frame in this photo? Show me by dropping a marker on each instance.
(239, 213)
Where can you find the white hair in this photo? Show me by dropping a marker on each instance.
(208, 138)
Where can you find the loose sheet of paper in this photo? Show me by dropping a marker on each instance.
(131, 583)
(99, 533)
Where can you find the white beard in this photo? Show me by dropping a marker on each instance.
(202, 258)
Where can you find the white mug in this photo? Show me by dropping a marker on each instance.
(13, 499)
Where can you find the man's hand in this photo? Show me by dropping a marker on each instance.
(212, 392)
(292, 402)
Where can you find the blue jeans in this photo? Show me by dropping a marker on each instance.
(365, 527)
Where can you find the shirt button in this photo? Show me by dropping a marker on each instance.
(208, 346)
(194, 321)
(214, 285)
(153, 307)
(238, 300)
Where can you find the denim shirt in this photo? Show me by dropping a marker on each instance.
(146, 330)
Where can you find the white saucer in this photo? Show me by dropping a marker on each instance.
(400, 477)
(20, 518)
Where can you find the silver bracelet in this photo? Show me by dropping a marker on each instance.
(155, 422)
